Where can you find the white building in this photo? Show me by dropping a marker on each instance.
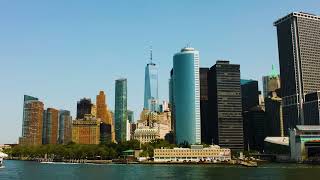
(194, 154)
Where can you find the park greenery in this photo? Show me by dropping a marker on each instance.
(85, 151)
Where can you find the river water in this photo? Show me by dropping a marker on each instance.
(37, 171)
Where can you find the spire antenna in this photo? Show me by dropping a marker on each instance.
(151, 54)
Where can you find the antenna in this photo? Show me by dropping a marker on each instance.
(150, 54)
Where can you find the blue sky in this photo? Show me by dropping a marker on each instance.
(61, 51)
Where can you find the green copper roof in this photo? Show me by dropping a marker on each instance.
(273, 72)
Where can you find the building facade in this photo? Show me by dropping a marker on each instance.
(311, 108)
(204, 106)
(271, 82)
(274, 125)
(120, 110)
(186, 94)
(146, 134)
(194, 154)
(130, 116)
(102, 111)
(249, 94)
(299, 57)
(65, 127)
(225, 105)
(50, 126)
(84, 106)
(32, 121)
(86, 131)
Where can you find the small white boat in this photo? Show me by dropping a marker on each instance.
(2, 155)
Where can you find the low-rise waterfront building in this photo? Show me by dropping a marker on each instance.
(196, 153)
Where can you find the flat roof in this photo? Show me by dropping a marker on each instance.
(278, 140)
(296, 14)
(308, 127)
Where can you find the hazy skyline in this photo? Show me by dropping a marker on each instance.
(62, 51)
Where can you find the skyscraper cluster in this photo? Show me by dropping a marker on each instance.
(209, 105)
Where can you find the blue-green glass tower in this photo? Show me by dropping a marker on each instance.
(120, 110)
(186, 94)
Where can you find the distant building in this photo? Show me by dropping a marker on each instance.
(304, 143)
(32, 121)
(274, 124)
(225, 105)
(84, 107)
(101, 106)
(120, 111)
(151, 86)
(86, 131)
(270, 82)
(249, 94)
(50, 126)
(186, 95)
(130, 116)
(299, 57)
(105, 133)
(311, 108)
(146, 134)
(65, 127)
(194, 154)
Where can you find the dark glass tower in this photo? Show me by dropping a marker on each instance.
(120, 110)
(249, 94)
(299, 57)
(204, 106)
(83, 107)
(225, 105)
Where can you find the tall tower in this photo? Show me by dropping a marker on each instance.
(120, 110)
(65, 127)
(299, 57)
(225, 105)
(84, 106)
(32, 121)
(270, 82)
(186, 94)
(151, 85)
(101, 107)
(50, 126)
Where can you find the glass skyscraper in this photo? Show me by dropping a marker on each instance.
(151, 87)
(120, 110)
(186, 94)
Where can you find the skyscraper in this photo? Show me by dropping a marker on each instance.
(65, 127)
(130, 116)
(249, 94)
(299, 57)
(151, 85)
(50, 126)
(120, 110)
(204, 106)
(270, 82)
(101, 107)
(186, 94)
(225, 105)
(84, 106)
(32, 121)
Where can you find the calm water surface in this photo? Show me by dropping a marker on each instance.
(37, 171)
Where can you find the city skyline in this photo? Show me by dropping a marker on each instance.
(29, 65)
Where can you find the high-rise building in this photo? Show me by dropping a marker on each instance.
(105, 133)
(186, 94)
(120, 110)
(299, 57)
(274, 125)
(171, 104)
(84, 106)
(65, 127)
(225, 105)
(249, 94)
(101, 107)
(204, 106)
(50, 126)
(130, 116)
(151, 85)
(270, 82)
(86, 130)
(312, 108)
(32, 121)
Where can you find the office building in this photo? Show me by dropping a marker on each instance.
(102, 111)
(311, 108)
(32, 121)
(65, 127)
(271, 82)
(86, 130)
(84, 106)
(299, 57)
(186, 94)
(171, 103)
(105, 133)
(120, 110)
(249, 94)
(225, 105)
(274, 124)
(204, 106)
(196, 153)
(50, 126)
(130, 116)
(151, 85)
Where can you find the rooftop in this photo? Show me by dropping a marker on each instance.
(296, 14)
(308, 127)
